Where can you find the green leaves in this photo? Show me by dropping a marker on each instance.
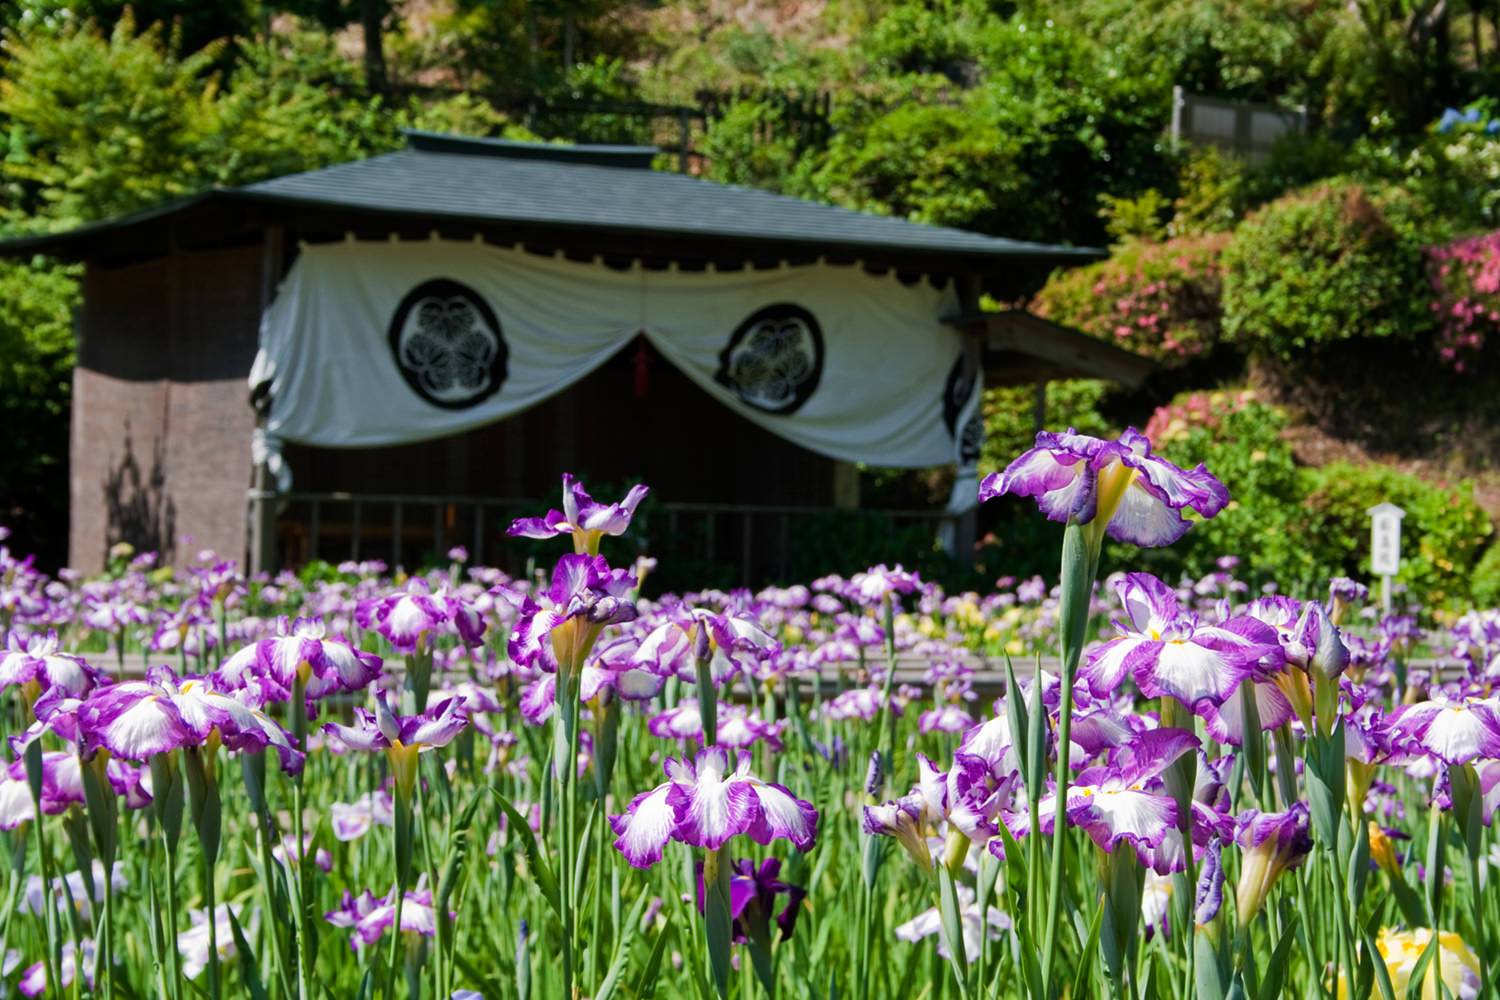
(541, 871)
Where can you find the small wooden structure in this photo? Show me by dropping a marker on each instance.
(173, 299)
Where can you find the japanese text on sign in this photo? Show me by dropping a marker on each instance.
(1385, 539)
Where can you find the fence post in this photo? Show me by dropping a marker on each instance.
(312, 533)
(354, 530)
(395, 535)
(745, 554)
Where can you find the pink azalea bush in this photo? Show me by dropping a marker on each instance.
(1465, 279)
(1161, 300)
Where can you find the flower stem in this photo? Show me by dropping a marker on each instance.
(305, 957)
(1080, 564)
(716, 919)
(886, 731)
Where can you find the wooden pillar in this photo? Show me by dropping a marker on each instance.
(965, 526)
(262, 484)
(845, 485)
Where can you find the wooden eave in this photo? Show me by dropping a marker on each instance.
(1020, 348)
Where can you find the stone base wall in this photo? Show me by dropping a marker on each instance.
(161, 415)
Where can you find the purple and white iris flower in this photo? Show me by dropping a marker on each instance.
(138, 719)
(35, 663)
(71, 887)
(905, 819)
(352, 820)
(370, 916)
(407, 618)
(872, 586)
(704, 802)
(401, 737)
(1455, 732)
(62, 787)
(970, 796)
(930, 922)
(1134, 496)
(1168, 651)
(289, 855)
(738, 727)
(582, 517)
(34, 979)
(193, 943)
(1270, 843)
(300, 650)
(735, 643)
(585, 596)
(1125, 799)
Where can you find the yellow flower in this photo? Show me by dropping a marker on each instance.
(1382, 851)
(1401, 950)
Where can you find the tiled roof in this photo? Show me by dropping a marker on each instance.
(570, 191)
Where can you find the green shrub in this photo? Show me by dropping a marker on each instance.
(1484, 582)
(1240, 440)
(1161, 300)
(1331, 264)
(1443, 533)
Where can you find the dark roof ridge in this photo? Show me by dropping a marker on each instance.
(600, 155)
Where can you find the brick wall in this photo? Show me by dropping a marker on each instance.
(161, 419)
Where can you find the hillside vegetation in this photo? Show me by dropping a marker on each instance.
(1337, 302)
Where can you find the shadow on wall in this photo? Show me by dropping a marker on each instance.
(137, 508)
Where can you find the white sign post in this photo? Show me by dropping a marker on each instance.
(1385, 547)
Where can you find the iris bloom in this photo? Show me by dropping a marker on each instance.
(1455, 732)
(1119, 486)
(906, 820)
(738, 727)
(1271, 843)
(1169, 651)
(193, 943)
(583, 518)
(137, 719)
(301, 649)
(370, 916)
(735, 644)
(405, 617)
(1125, 800)
(875, 584)
(756, 890)
(62, 787)
(34, 980)
(930, 922)
(703, 803)
(585, 596)
(402, 738)
(352, 820)
(36, 662)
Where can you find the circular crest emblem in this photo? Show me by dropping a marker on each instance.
(956, 393)
(774, 359)
(972, 442)
(448, 345)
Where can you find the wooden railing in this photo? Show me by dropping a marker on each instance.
(407, 530)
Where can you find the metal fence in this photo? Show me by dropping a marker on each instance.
(743, 544)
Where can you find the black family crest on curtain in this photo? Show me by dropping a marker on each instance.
(956, 393)
(774, 359)
(447, 343)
